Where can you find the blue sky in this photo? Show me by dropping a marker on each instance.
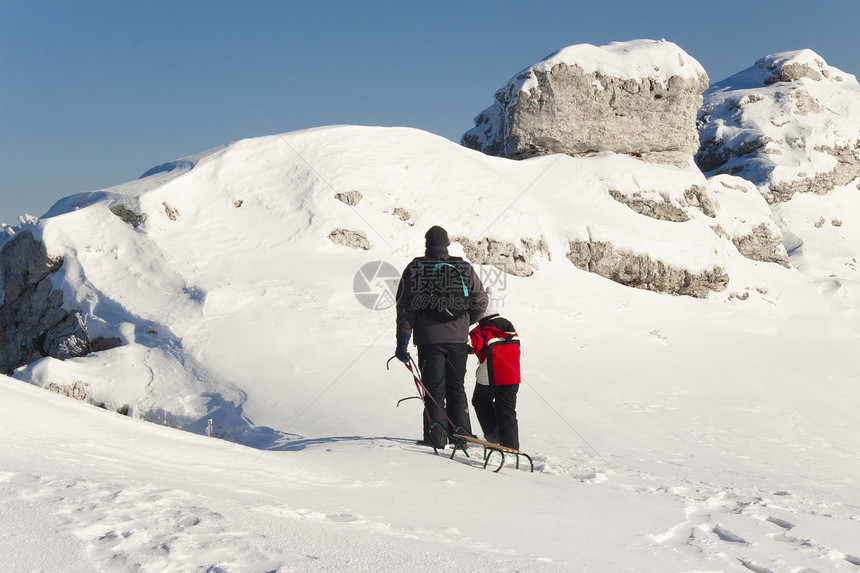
(94, 93)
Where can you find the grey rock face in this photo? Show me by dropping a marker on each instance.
(24, 263)
(518, 260)
(129, 216)
(662, 206)
(762, 245)
(791, 71)
(351, 239)
(105, 343)
(351, 198)
(32, 321)
(68, 339)
(640, 271)
(847, 169)
(401, 214)
(171, 213)
(697, 196)
(724, 206)
(568, 108)
(748, 225)
(76, 390)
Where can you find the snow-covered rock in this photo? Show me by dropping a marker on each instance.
(742, 216)
(731, 207)
(790, 124)
(639, 98)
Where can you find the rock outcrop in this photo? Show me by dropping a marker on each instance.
(665, 207)
(730, 206)
(351, 239)
(132, 218)
(638, 98)
(640, 270)
(789, 124)
(351, 198)
(32, 321)
(518, 260)
(743, 217)
(762, 244)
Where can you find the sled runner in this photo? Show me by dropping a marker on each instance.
(489, 448)
(461, 438)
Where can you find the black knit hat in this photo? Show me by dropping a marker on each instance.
(436, 237)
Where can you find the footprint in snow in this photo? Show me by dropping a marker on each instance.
(142, 527)
(726, 535)
(780, 522)
(578, 471)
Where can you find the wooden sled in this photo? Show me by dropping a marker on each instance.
(489, 448)
(460, 438)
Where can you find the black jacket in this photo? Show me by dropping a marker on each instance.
(412, 295)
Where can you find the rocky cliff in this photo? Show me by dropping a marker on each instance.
(638, 98)
(34, 321)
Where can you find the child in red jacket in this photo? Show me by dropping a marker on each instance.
(497, 346)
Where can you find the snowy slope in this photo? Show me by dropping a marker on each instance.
(682, 472)
(230, 296)
(669, 433)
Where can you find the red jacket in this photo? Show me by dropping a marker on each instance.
(496, 344)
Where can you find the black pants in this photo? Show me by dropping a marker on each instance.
(496, 408)
(443, 371)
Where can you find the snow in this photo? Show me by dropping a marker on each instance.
(829, 229)
(668, 433)
(658, 60)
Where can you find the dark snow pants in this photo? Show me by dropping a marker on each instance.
(443, 373)
(496, 409)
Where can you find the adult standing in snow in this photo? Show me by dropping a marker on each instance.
(497, 345)
(430, 308)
